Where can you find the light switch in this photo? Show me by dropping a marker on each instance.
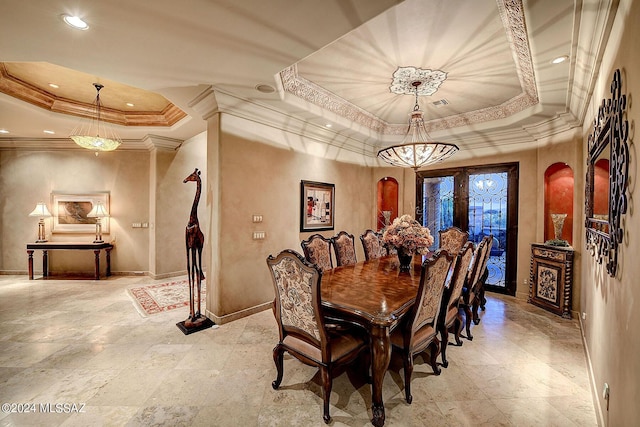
(259, 235)
(257, 218)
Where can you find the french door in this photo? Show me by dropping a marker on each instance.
(482, 200)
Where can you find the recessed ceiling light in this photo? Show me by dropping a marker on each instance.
(265, 88)
(53, 85)
(4, 131)
(75, 22)
(129, 104)
(559, 59)
(49, 132)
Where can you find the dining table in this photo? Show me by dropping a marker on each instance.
(375, 295)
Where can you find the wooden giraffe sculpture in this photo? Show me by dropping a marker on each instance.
(195, 241)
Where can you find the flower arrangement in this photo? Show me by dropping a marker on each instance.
(407, 235)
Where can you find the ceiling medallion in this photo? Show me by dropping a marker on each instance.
(405, 77)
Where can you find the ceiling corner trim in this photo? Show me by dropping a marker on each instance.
(512, 15)
(317, 95)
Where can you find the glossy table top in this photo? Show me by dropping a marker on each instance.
(375, 290)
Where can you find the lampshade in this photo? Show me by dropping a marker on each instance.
(41, 211)
(98, 211)
(95, 134)
(417, 149)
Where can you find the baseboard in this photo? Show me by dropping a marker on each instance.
(592, 377)
(220, 320)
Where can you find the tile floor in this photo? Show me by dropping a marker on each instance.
(82, 343)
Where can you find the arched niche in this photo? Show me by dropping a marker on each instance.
(387, 199)
(558, 199)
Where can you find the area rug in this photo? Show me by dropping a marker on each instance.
(163, 297)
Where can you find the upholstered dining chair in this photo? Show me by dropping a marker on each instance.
(317, 250)
(372, 245)
(344, 248)
(298, 312)
(419, 331)
(452, 239)
(450, 318)
(470, 300)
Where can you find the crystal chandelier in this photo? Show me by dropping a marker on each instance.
(94, 134)
(417, 149)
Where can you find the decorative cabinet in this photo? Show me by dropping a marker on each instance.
(551, 278)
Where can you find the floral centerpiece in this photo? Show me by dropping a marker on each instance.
(409, 238)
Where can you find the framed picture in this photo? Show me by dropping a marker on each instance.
(70, 212)
(316, 206)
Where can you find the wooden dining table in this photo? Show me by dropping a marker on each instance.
(376, 295)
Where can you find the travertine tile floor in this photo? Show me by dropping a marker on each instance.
(82, 342)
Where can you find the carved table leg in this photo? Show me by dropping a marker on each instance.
(97, 275)
(45, 263)
(381, 354)
(30, 263)
(108, 251)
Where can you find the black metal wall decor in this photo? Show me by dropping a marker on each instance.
(604, 231)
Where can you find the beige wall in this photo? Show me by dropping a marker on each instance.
(27, 177)
(173, 201)
(610, 305)
(265, 180)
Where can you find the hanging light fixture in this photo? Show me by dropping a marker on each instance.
(94, 134)
(417, 149)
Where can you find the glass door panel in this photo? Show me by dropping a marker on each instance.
(488, 216)
(437, 206)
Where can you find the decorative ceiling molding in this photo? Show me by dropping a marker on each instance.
(27, 92)
(512, 15)
(317, 95)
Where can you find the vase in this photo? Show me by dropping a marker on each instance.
(558, 224)
(405, 258)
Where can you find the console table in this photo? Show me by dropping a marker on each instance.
(551, 278)
(68, 246)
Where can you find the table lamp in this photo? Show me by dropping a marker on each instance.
(41, 211)
(98, 212)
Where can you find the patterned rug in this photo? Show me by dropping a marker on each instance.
(162, 297)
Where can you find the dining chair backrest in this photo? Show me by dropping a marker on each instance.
(297, 305)
(480, 261)
(344, 248)
(458, 279)
(317, 250)
(452, 239)
(429, 297)
(372, 245)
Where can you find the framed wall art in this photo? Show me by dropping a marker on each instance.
(70, 212)
(316, 206)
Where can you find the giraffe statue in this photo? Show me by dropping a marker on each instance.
(195, 241)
